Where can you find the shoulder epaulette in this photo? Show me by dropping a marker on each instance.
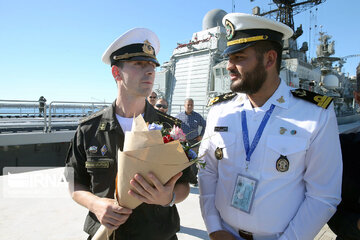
(318, 99)
(221, 98)
(92, 116)
(175, 121)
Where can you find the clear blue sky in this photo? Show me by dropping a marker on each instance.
(54, 47)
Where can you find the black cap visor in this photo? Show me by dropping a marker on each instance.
(237, 48)
(142, 58)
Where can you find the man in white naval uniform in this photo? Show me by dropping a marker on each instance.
(273, 159)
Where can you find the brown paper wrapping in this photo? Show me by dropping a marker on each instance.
(144, 152)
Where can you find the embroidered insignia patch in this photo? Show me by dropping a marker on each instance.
(102, 126)
(320, 100)
(221, 98)
(103, 150)
(93, 149)
(97, 164)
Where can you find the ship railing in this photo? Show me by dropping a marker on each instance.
(24, 115)
(21, 109)
(73, 109)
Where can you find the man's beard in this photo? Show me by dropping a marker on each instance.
(250, 82)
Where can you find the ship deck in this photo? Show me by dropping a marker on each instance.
(50, 213)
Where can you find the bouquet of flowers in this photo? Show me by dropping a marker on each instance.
(176, 133)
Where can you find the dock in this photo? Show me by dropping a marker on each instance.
(48, 212)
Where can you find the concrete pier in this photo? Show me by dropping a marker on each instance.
(46, 211)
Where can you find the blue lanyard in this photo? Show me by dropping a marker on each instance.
(250, 149)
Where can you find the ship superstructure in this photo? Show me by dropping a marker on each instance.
(197, 70)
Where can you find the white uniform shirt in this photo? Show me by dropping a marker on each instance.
(287, 205)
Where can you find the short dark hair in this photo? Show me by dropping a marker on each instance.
(262, 47)
(119, 64)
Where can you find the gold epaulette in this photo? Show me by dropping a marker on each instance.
(318, 99)
(172, 119)
(94, 115)
(221, 98)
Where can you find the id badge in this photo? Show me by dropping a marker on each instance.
(244, 193)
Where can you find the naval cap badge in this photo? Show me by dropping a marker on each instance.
(147, 48)
(229, 29)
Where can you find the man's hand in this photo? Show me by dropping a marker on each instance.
(109, 213)
(221, 235)
(198, 138)
(157, 194)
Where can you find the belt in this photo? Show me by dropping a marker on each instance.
(246, 235)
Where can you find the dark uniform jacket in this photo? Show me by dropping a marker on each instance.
(350, 192)
(92, 156)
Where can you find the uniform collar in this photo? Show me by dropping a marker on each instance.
(109, 118)
(111, 123)
(281, 96)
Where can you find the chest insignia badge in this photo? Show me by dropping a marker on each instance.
(293, 132)
(104, 149)
(281, 99)
(102, 126)
(93, 149)
(282, 164)
(219, 153)
(282, 130)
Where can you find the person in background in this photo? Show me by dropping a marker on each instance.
(93, 150)
(42, 102)
(273, 160)
(152, 98)
(162, 105)
(191, 121)
(346, 221)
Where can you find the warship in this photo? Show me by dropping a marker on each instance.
(197, 68)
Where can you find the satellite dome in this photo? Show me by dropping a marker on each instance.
(213, 19)
(331, 81)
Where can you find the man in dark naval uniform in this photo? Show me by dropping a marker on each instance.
(93, 150)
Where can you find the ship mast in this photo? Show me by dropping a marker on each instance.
(286, 9)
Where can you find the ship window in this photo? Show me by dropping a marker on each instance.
(225, 72)
(217, 72)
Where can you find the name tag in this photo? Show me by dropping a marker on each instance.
(99, 164)
(221, 129)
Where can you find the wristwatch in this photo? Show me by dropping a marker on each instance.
(172, 201)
